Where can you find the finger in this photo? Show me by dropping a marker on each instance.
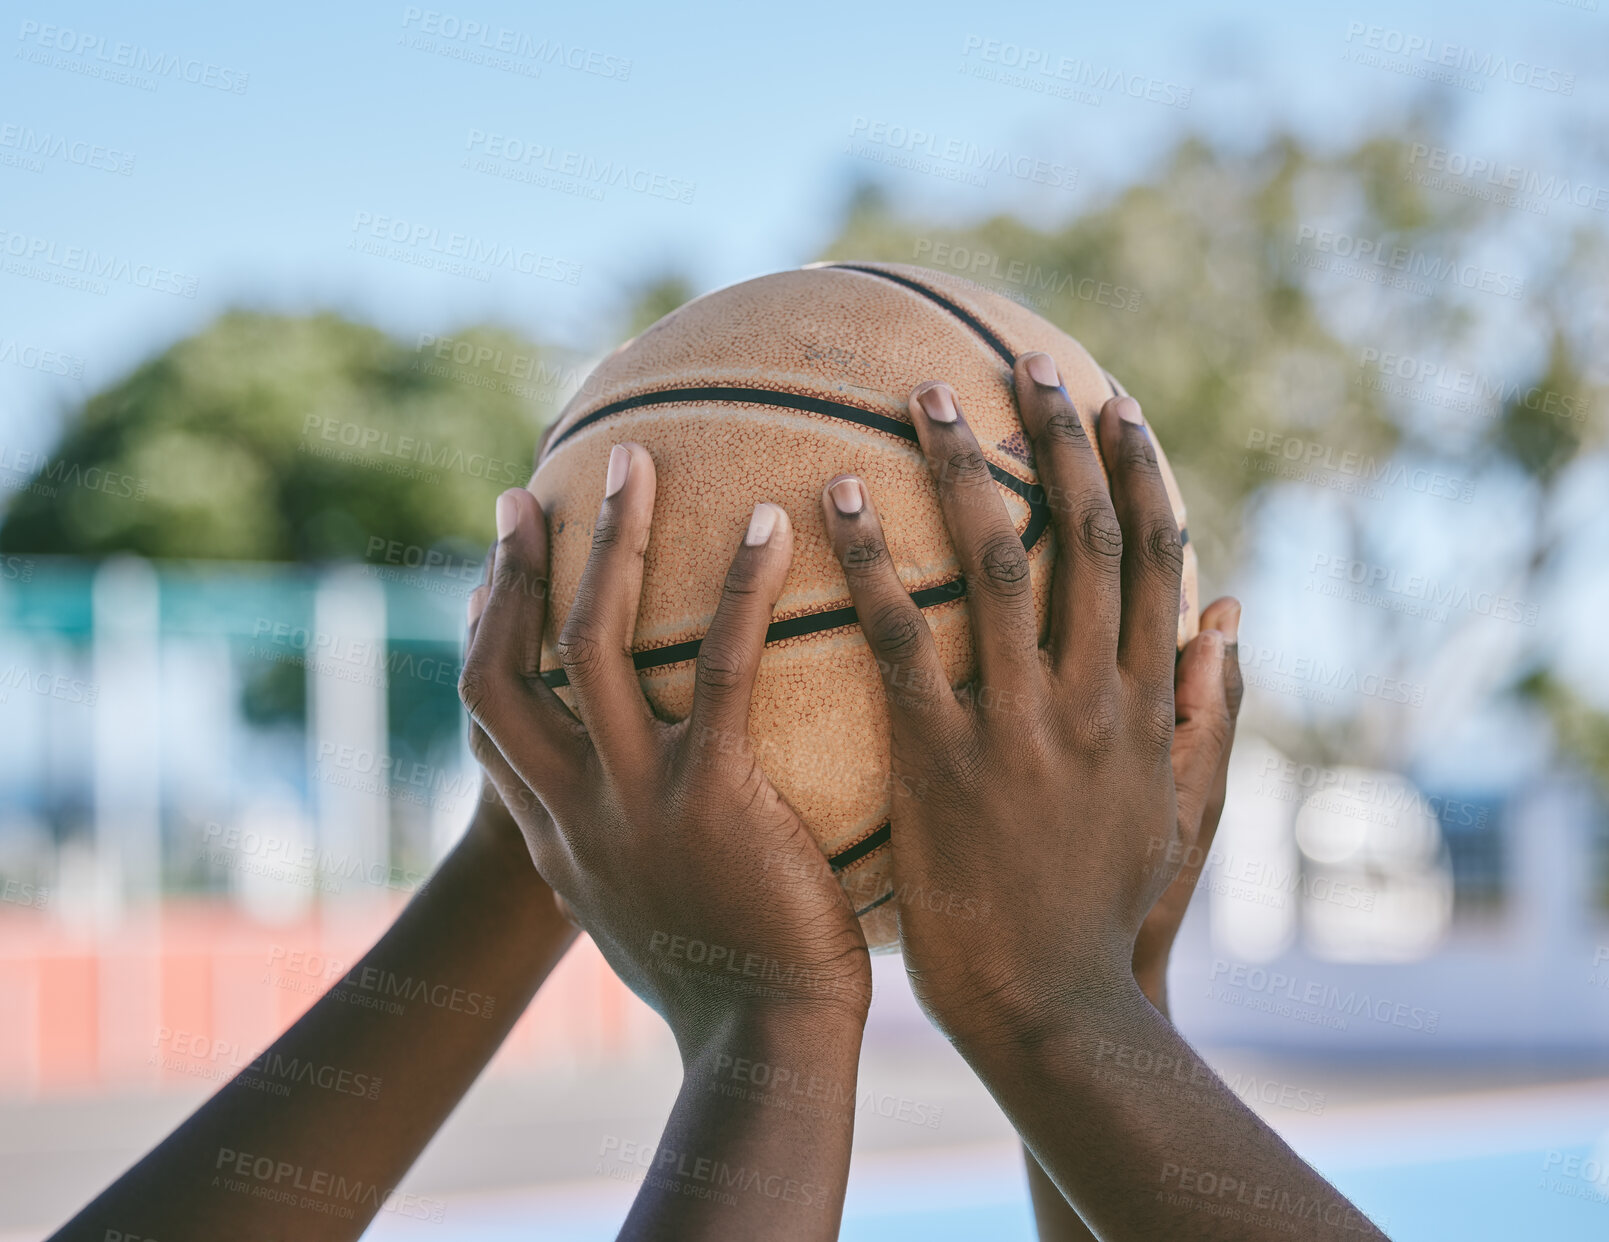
(1086, 589)
(1153, 555)
(913, 676)
(595, 644)
(1000, 593)
(1201, 731)
(729, 655)
(1223, 615)
(501, 682)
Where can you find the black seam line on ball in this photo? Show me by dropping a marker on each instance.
(833, 618)
(881, 901)
(742, 396)
(960, 312)
(973, 322)
(874, 840)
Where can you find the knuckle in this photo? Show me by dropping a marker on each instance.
(579, 651)
(1097, 529)
(482, 746)
(719, 668)
(475, 688)
(966, 465)
(1096, 725)
(1065, 427)
(605, 535)
(897, 630)
(864, 554)
(1234, 686)
(1161, 547)
(1004, 562)
(1136, 455)
(1155, 724)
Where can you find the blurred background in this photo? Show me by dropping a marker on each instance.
(287, 296)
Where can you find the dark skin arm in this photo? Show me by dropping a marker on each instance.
(481, 937)
(665, 841)
(484, 929)
(1201, 774)
(1039, 997)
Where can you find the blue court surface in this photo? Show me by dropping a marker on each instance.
(1499, 1167)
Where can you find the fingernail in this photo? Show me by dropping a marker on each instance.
(1231, 622)
(1042, 370)
(938, 403)
(619, 466)
(477, 604)
(1128, 409)
(1214, 642)
(847, 496)
(508, 514)
(761, 523)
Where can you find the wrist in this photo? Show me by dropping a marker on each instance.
(786, 1042)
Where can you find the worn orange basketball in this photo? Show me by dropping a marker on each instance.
(764, 391)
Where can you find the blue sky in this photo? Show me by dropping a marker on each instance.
(347, 127)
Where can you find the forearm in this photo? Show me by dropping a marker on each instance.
(1135, 1129)
(758, 1142)
(416, 1020)
(1054, 1218)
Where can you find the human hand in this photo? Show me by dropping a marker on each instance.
(663, 836)
(1206, 707)
(1045, 779)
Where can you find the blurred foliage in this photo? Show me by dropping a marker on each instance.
(304, 438)
(269, 437)
(1244, 329)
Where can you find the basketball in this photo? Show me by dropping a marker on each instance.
(764, 391)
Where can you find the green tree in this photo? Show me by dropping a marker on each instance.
(292, 438)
